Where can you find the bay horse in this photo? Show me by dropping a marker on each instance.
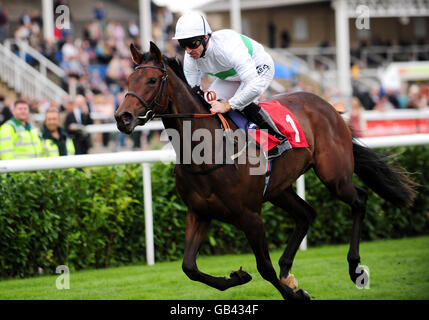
(158, 88)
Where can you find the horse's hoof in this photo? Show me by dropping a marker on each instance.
(291, 282)
(242, 276)
(303, 295)
(352, 272)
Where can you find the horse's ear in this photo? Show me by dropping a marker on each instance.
(155, 52)
(136, 55)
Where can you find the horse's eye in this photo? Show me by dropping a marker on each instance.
(152, 80)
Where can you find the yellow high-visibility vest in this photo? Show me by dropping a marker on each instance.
(19, 142)
(51, 148)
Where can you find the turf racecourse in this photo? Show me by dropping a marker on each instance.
(399, 270)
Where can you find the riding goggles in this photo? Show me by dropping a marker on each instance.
(191, 43)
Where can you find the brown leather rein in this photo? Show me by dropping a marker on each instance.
(150, 114)
(211, 95)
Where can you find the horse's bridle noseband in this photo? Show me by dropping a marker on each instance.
(151, 111)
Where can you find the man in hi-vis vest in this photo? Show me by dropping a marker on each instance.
(18, 138)
(55, 140)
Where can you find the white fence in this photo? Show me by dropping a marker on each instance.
(26, 80)
(146, 157)
(44, 63)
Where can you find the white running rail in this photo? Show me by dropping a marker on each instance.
(146, 157)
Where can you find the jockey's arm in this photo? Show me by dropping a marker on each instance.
(253, 85)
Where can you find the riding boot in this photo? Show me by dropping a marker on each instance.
(260, 117)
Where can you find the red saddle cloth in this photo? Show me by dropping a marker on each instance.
(286, 123)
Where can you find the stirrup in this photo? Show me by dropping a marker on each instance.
(279, 149)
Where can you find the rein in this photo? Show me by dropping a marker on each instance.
(150, 114)
(211, 95)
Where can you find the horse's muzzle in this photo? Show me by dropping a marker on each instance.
(125, 122)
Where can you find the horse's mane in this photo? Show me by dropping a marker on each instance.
(176, 65)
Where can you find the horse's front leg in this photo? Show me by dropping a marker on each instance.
(253, 227)
(303, 215)
(196, 230)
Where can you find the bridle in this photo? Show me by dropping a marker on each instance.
(150, 114)
(155, 101)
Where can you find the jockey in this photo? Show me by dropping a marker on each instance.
(242, 68)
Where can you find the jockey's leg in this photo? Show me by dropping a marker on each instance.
(260, 117)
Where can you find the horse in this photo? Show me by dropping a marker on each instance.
(158, 88)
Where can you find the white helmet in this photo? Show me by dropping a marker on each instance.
(191, 25)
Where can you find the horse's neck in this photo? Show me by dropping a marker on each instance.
(184, 102)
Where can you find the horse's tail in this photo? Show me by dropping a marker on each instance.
(391, 182)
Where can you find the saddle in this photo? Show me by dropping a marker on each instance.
(284, 120)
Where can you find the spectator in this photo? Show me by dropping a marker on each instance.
(94, 31)
(4, 23)
(356, 120)
(118, 33)
(55, 140)
(133, 29)
(69, 50)
(285, 39)
(22, 33)
(375, 95)
(392, 96)
(78, 116)
(72, 67)
(103, 105)
(48, 49)
(97, 85)
(383, 104)
(18, 138)
(99, 12)
(103, 52)
(5, 113)
(25, 18)
(35, 17)
(417, 98)
(118, 70)
(43, 105)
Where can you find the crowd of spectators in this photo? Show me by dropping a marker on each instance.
(96, 62)
(377, 98)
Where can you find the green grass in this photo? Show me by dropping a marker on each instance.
(399, 270)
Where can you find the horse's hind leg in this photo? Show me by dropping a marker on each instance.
(196, 230)
(358, 212)
(341, 185)
(303, 215)
(356, 197)
(253, 227)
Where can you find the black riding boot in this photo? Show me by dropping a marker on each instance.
(260, 117)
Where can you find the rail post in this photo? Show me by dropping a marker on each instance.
(148, 216)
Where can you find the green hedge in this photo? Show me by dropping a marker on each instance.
(94, 218)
